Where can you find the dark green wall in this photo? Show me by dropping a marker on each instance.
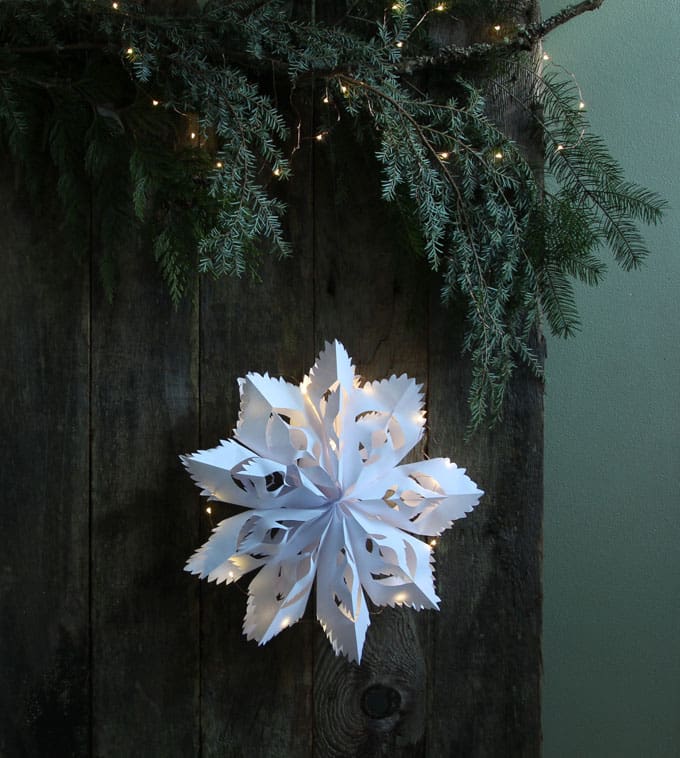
(612, 510)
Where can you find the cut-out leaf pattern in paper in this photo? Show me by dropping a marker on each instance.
(315, 466)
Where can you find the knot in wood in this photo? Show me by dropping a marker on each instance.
(379, 701)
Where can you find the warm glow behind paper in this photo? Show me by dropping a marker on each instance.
(315, 466)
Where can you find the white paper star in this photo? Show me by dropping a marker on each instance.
(315, 467)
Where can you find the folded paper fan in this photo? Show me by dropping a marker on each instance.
(315, 467)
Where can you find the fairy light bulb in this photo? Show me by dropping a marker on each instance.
(433, 542)
(193, 135)
(400, 44)
(498, 155)
(546, 57)
(219, 164)
(277, 171)
(130, 51)
(326, 100)
(319, 137)
(581, 105)
(497, 27)
(444, 155)
(114, 6)
(343, 89)
(440, 7)
(155, 103)
(208, 510)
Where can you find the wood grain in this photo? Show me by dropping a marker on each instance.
(371, 293)
(44, 471)
(145, 638)
(255, 701)
(484, 654)
(485, 644)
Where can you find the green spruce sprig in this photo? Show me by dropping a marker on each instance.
(187, 117)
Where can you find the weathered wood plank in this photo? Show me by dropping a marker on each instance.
(468, 679)
(144, 609)
(485, 644)
(372, 294)
(44, 470)
(255, 701)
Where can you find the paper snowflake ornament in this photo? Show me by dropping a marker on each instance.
(315, 466)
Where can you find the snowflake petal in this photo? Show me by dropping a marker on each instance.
(277, 598)
(273, 418)
(383, 422)
(333, 368)
(269, 484)
(341, 607)
(394, 567)
(422, 498)
(214, 559)
(211, 470)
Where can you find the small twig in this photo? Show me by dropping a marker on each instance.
(526, 38)
(540, 30)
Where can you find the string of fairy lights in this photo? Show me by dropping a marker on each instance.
(398, 8)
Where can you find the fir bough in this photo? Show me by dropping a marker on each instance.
(188, 116)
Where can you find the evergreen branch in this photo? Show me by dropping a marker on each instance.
(55, 48)
(590, 172)
(109, 98)
(477, 292)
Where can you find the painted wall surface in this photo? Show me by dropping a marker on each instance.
(612, 467)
